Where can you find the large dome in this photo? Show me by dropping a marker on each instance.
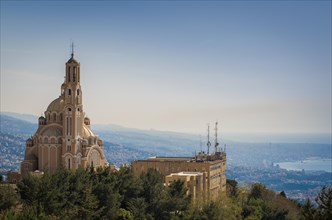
(56, 105)
(52, 131)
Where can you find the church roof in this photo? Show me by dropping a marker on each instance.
(72, 60)
(56, 105)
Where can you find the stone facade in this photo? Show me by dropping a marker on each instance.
(196, 183)
(64, 136)
(212, 166)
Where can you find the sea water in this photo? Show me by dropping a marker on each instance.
(308, 165)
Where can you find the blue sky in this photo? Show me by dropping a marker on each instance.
(254, 66)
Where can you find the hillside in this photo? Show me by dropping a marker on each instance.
(246, 162)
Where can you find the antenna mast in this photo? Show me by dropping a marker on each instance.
(216, 144)
(208, 140)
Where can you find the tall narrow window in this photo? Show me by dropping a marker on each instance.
(78, 92)
(69, 91)
(74, 75)
(68, 74)
(67, 126)
(68, 164)
(70, 125)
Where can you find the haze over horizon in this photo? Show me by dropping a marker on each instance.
(253, 66)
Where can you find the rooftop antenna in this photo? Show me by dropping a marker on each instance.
(216, 144)
(208, 140)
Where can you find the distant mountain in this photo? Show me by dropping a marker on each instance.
(126, 144)
(15, 126)
(24, 117)
(152, 141)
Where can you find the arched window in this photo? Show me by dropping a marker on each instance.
(68, 164)
(69, 91)
(78, 92)
(78, 160)
(69, 109)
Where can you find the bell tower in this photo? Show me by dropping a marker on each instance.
(73, 111)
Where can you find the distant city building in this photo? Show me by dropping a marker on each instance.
(64, 136)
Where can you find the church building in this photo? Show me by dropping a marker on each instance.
(64, 136)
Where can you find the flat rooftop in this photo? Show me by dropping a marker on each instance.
(181, 159)
(169, 159)
(187, 174)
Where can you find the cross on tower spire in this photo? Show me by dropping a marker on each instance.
(72, 49)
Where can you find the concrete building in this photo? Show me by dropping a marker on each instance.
(196, 183)
(211, 167)
(64, 136)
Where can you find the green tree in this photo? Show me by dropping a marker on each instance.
(308, 210)
(265, 204)
(124, 215)
(137, 206)
(210, 211)
(65, 194)
(28, 189)
(283, 194)
(103, 182)
(128, 185)
(153, 192)
(178, 201)
(324, 201)
(231, 187)
(256, 191)
(8, 197)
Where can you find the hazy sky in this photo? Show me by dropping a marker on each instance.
(254, 66)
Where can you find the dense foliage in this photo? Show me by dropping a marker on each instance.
(105, 194)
